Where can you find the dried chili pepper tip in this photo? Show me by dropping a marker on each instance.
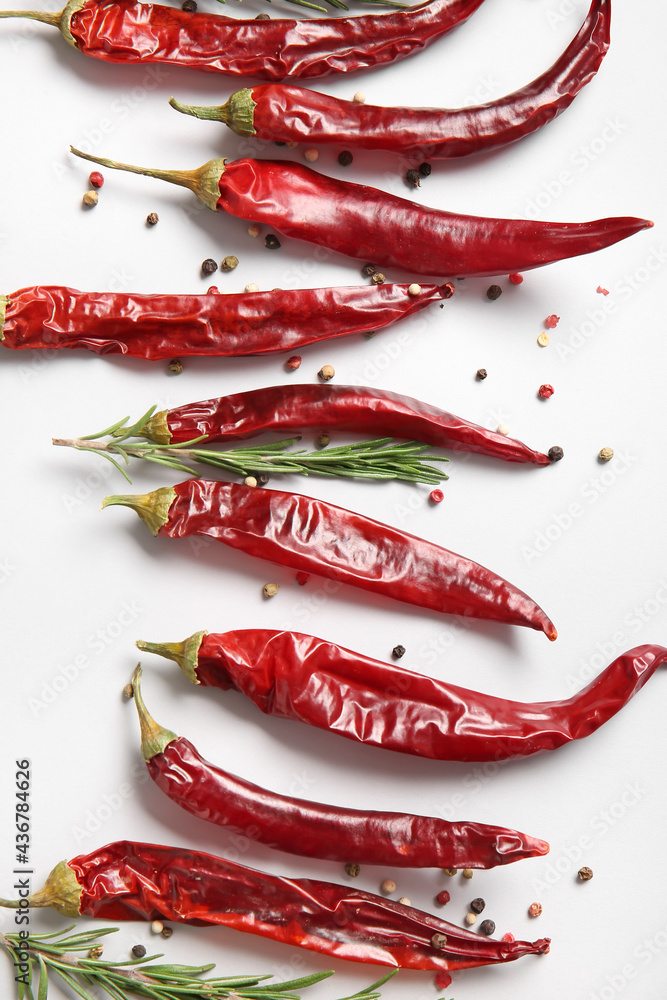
(271, 242)
(270, 589)
(229, 263)
(176, 366)
(516, 279)
(606, 454)
(352, 869)
(535, 909)
(96, 180)
(555, 454)
(345, 158)
(152, 219)
(439, 941)
(302, 578)
(326, 372)
(487, 927)
(545, 391)
(398, 651)
(477, 905)
(387, 887)
(436, 496)
(90, 199)
(494, 292)
(443, 898)
(585, 874)
(552, 321)
(208, 266)
(138, 951)
(413, 179)
(294, 362)
(481, 374)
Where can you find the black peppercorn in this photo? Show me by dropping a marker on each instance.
(425, 169)
(263, 17)
(262, 479)
(152, 219)
(352, 869)
(368, 269)
(345, 158)
(412, 178)
(487, 927)
(189, 5)
(555, 454)
(271, 242)
(208, 266)
(494, 292)
(138, 951)
(477, 905)
(397, 652)
(481, 374)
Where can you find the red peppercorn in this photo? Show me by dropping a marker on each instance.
(552, 321)
(443, 898)
(508, 937)
(436, 496)
(443, 980)
(96, 179)
(545, 391)
(302, 578)
(294, 362)
(516, 279)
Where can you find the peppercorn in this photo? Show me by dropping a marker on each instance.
(323, 440)
(387, 887)
(425, 169)
(359, 97)
(516, 279)
(368, 269)
(311, 155)
(397, 652)
(404, 900)
(436, 496)
(552, 321)
(176, 366)
(95, 952)
(326, 372)
(90, 199)
(443, 980)
(167, 932)
(208, 266)
(442, 898)
(270, 589)
(263, 17)
(302, 578)
(251, 287)
(378, 278)
(412, 179)
(369, 334)
(503, 429)
(229, 263)
(450, 871)
(352, 869)
(606, 454)
(96, 179)
(487, 927)
(345, 158)
(543, 339)
(250, 481)
(585, 874)
(477, 905)
(494, 292)
(294, 362)
(555, 454)
(152, 219)
(271, 242)
(545, 391)
(534, 909)
(263, 479)
(414, 288)
(189, 5)
(157, 927)
(138, 951)
(470, 919)
(481, 374)
(128, 692)
(253, 229)
(467, 872)
(439, 940)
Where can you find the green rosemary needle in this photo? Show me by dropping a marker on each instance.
(57, 955)
(381, 458)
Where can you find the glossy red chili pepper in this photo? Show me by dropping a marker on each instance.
(129, 32)
(332, 407)
(130, 881)
(295, 676)
(369, 224)
(312, 829)
(161, 326)
(292, 114)
(316, 537)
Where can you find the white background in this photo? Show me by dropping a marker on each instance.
(70, 573)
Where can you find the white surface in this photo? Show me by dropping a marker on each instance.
(69, 573)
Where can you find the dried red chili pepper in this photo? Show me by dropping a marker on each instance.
(295, 676)
(369, 224)
(339, 407)
(316, 537)
(292, 114)
(161, 326)
(315, 830)
(130, 881)
(129, 32)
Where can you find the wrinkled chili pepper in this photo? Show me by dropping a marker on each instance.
(312, 829)
(161, 326)
(369, 224)
(331, 407)
(295, 676)
(292, 114)
(130, 881)
(129, 32)
(316, 537)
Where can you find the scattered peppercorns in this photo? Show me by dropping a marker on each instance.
(543, 339)
(263, 17)
(96, 180)
(345, 158)
(387, 887)
(494, 292)
(352, 869)
(606, 454)
(326, 372)
(477, 905)
(359, 97)
(470, 919)
(439, 940)
(138, 951)
(443, 980)
(90, 199)
(311, 155)
(96, 952)
(487, 927)
(253, 230)
(270, 589)
(152, 219)
(271, 242)
(302, 578)
(176, 366)
(251, 287)
(250, 481)
(425, 169)
(481, 374)
(167, 932)
(368, 270)
(585, 874)
(412, 178)
(534, 910)
(128, 692)
(212, 290)
(157, 927)
(229, 263)
(467, 872)
(442, 898)
(378, 278)
(503, 429)
(208, 266)
(323, 439)
(545, 391)
(291, 145)
(436, 496)
(414, 288)
(398, 651)
(263, 479)
(509, 937)
(294, 362)
(516, 279)
(555, 454)
(450, 871)
(189, 5)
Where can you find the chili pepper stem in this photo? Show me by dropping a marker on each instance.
(184, 653)
(154, 738)
(203, 181)
(60, 20)
(152, 508)
(156, 427)
(237, 113)
(61, 891)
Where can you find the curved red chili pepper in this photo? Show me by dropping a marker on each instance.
(295, 676)
(130, 881)
(312, 829)
(161, 326)
(317, 537)
(292, 114)
(369, 224)
(127, 32)
(328, 407)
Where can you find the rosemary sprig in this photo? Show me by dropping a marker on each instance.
(382, 458)
(59, 954)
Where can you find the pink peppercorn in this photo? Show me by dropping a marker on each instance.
(552, 321)
(443, 898)
(96, 179)
(545, 391)
(508, 938)
(602, 291)
(534, 910)
(443, 980)
(516, 279)
(436, 496)
(302, 578)
(294, 362)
